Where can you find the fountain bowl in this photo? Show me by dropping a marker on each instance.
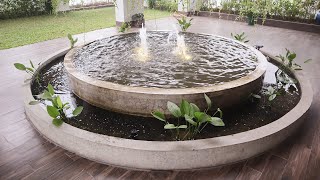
(143, 100)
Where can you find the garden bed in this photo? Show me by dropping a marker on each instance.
(269, 22)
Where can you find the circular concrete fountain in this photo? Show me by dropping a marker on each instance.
(86, 65)
(164, 155)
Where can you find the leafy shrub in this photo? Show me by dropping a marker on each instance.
(167, 5)
(21, 8)
(184, 24)
(294, 10)
(194, 119)
(57, 109)
(72, 40)
(125, 26)
(29, 70)
(151, 3)
(240, 37)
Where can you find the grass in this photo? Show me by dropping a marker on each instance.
(29, 30)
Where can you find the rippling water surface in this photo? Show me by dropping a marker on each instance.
(214, 60)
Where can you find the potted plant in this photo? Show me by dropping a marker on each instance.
(137, 20)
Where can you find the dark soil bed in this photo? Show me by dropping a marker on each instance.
(253, 113)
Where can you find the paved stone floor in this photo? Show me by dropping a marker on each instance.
(25, 154)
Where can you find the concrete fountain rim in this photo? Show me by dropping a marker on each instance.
(168, 155)
(250, 77)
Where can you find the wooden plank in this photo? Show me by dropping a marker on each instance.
(274, 168)
(284, 149)
(16, 128)
(133, 175)
(247, 173)
(72, 155)
(103, 174)
(297, 162)
(20, 151)
(5, 145)
(19, 139)
(96, 169)
(13, 117)
(38, 163)
(21, 172)
(225, 172)
(312, 170)
(112, 173)
(23, 159)
(161, 174)
(48, 169)
(73, 169)
(258, 163)
(82, 176)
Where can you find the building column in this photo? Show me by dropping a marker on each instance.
(125, 9)
(187, 6)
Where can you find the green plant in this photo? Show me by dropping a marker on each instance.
(166, 5)
(151, 3)
(57, 109)
(240, 37)
(195, 120)
(137, 20)
(125, 26)
(22, 8)
(256, 96)
(272, 93)
(72, 40)
(253, 9)
(29, 70)
(184, 23)
(283, 81)
(288, 60)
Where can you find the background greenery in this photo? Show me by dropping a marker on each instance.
(21, 8)
(292, 10)
(22, 31)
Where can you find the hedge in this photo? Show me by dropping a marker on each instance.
(22, 8)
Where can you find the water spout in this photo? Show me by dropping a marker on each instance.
(142, 50)
(181, 48)
(143, 38)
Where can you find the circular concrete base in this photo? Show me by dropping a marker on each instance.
(143, 100)
(162, 155)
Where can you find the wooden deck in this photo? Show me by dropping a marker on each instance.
(25, 154)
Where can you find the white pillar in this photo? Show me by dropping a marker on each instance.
(145, 3)
(186, 6)
(126, 8)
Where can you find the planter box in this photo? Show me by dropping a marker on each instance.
(269, 22)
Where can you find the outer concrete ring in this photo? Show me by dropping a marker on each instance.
(141, 100)
(169, 155)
